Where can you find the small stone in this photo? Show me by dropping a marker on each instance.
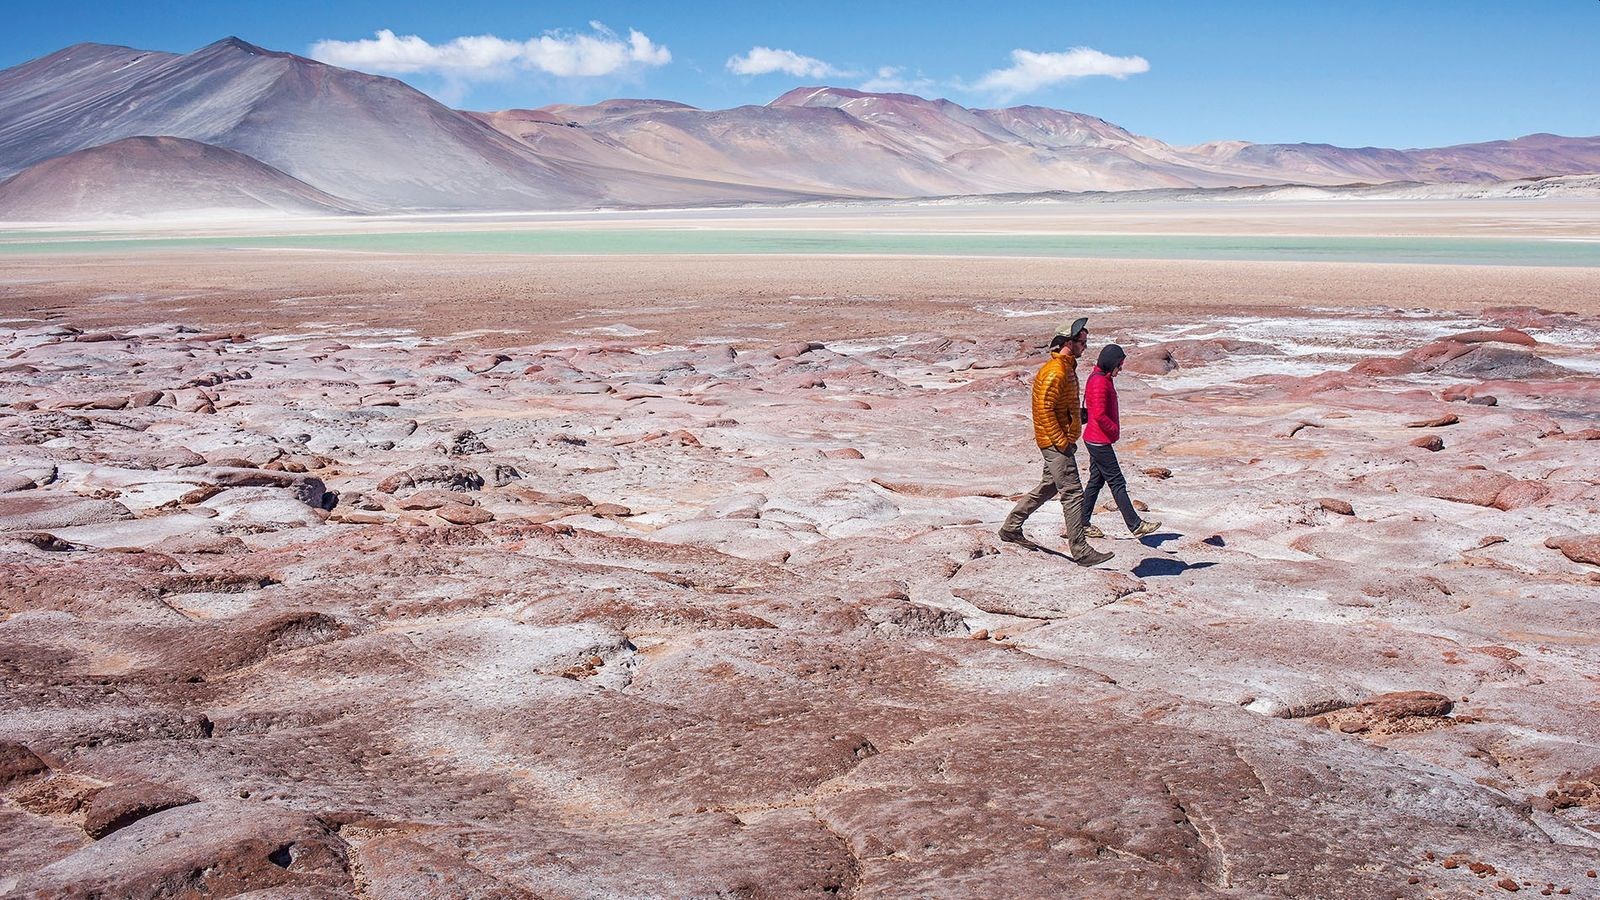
(1339, 507)
(982, 634)
(1432, 443)
(1158, 472)
(1507, 884)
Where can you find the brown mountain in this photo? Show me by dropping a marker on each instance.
(134, 176)
(376, 143)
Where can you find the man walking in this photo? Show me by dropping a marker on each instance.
(1101, 428)
(1057, 425)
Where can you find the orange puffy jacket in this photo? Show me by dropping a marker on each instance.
(1057, 417)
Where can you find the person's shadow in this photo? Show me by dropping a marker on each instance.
(1158, 566)
(1149, 567)
(1164, 566)
(1154, 541)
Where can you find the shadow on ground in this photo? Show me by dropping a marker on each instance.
(1155, 566)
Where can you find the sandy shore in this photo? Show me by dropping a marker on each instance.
(1546, 217)
(681, 297)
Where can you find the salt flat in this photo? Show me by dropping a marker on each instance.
(511, 575)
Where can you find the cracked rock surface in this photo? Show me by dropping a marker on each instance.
(616, 613)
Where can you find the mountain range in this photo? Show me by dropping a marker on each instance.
(97, 130)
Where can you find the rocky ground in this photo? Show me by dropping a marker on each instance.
(327, 611)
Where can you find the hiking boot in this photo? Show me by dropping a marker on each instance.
(1146, 527)
(1092, 557)
(1013, 536)
(1093, 531)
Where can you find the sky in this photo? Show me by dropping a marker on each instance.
(1410, 74)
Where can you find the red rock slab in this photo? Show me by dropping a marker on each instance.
(1485, 361)
(1405, 704)
(936, 490)
(400, 865)
(1587, 434)
(33, 841)
(1155, 360)
(120, 805)
(1477, 487)
(1521, 494)
(18, 762)
(433, 475)
(1437, 422)
(213, 849)
(1581, 548)
(460, 514)
(531, 495)
(1038, 585)
(778, 854)
(1104, 804)
(210, 650)
(37, 510)
(1502, 336)
(1423, 359)
(432, 498)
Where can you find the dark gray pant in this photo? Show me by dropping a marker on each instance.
(1060, 477)
(1105, 470)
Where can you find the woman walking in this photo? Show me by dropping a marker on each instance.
(1101, 429)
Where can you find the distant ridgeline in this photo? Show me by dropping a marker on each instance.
(363, 143)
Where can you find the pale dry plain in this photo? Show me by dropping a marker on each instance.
(331, 573)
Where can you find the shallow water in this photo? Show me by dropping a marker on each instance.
(589, 241)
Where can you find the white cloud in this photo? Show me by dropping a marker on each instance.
(560, 53)
(893, 80)
(1030, 71)
(766, 60)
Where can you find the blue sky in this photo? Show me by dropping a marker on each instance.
(1408, 74)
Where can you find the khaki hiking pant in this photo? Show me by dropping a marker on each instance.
(1060, 478)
